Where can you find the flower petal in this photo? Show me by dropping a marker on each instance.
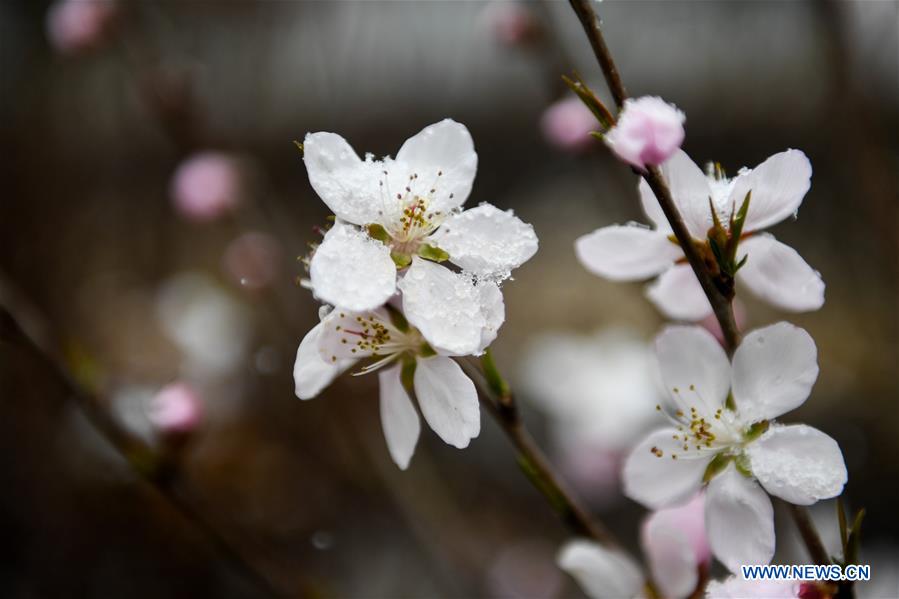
(774, 370)
(487, 241)
(626, 253)
(739, 520)
(601, 573)
(678, 295)
(695, 370)
(671, 558)
(346, 183)
(449, 309)
(736, 587)
(657, 480)
(398, 417)
(798, 463)
(443, 156)
(778, 186)
(352, 271)
(690, 191)
(776, 273)
(448, 400)
(311, 373)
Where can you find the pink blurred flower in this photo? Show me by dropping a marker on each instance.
(648, 132)
(253, 260)
(77, 25)
(176, 409)
(567, 124)
(675, 543)
(512, 23)
(207, 185)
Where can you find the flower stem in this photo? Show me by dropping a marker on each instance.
(720, 301)
(496, 396)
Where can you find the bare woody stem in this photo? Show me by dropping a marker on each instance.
(496, 396)
(721, 302)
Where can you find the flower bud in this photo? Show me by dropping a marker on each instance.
(567, 124)
(207, 185)
(648, 132)
(176, 410)
(77, 25)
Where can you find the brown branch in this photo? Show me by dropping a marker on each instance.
(721, 303)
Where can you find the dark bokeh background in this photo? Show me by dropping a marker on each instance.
(306, 491)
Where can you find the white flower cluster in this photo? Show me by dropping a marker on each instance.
(390, 297)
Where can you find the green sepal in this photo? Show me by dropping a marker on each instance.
(401, 260)
(844, 531)
(588, 97)
(300, 147)
(716, 466)
(743, 465)
(855, 538)
(433, 253)
(407, 373)
(597, 135)
(729, 403)
(397, 319)
(737, 221)
(426, 351)
(376, 231)
(756, 430)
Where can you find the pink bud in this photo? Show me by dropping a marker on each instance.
(567, 124)
(176, 409)
(648, 132)
(512, 23)
(253, 260)
(77, 25)
(688, 519)
(207, 185)
(676, 547)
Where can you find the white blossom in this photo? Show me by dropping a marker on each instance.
(736, 587)
(774, 272)
(722, 433)
(601, 573)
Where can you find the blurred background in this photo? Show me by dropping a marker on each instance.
(154, 207)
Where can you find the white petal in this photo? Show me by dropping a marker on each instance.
(347, 184)
(449, 309)
(626, 253)
(678, 295)
(736, 587)
(657, 480)
(311, 373)
(694, 368)
(493, 309)
(398, 417)
(487, 241)
(601, 573)
(778, 186)
(776, 273)
(671, 557)
(739, 520)
(352, 271)
(690, 191)
(798, 463)
(443, 156)
(448, 400)
(774, 370)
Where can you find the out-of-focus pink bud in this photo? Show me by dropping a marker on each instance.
(512, 23)
(253, 260)
(207, 185)
(77, 25)
(710, 323)
(567, 124)
(648, 132)
(177, 409)
(675, 543)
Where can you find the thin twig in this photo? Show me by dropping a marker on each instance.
(721, 304)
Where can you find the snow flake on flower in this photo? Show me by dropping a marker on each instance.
(392, 210)
(773, 271)
(722, 433)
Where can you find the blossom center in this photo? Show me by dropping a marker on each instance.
(408, 215)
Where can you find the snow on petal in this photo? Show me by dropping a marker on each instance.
(777, 185)
(311, 372)
(352, 271)
(695, 370)
(653, 477)
(443, 156)
(774, 369)
(736, 587)
(448, 400)
(739, 519)
(398, 417)
(493, 309)
(626, 253)
(487, 241)
(776, 273)
(601, 573)
(345, 183)
(649, 130)
(678, 295)
(448, 308)
(690, 190)
(798, 463)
